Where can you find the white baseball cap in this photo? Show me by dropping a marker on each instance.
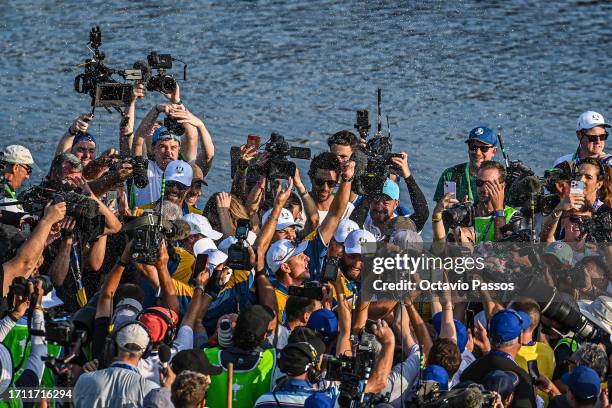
(355, 242)
(6, 368)
(345, 227)
(285, 219)
(133, 334)
(203, 245)
(590, 119)
(229, 241)
(16, 154)
(199, 224)
(180, 171)
(281, 251)
(215, 257)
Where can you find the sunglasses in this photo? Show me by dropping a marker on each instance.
(320, 182)
(596, 138)
(27, 168)
(177, 185)
(473, 147)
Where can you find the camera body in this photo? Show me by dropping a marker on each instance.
(329, 272)
(459, 215)
(598, 227)
(174, 126)
(238, 256)
(362, 123)
(379, 165)
(160, 82)
(140, 165)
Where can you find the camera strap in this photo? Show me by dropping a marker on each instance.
(81, 294)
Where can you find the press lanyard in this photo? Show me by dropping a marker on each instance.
(9, 191)
(126, 366)
(469, 184)
(81, 294)
(486, 231)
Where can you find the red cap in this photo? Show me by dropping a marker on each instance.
(156, 324)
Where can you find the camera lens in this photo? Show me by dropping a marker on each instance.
(168, 84)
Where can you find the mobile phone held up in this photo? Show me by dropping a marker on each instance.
(199, 266)
(577, 187)
(450, 187)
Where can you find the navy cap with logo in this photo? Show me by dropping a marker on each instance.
(583, 382)
(482, 134)
(508, 324)
(502, 382)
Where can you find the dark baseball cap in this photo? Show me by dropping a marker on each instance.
(295, 357)
(254, 320)
(503, 382)
(193, 360)
(583, 382)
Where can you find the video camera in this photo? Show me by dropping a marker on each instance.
(140, 165)
(277, 167)
(148, 232)
(378, 151)
(353, 372)
(238, 256)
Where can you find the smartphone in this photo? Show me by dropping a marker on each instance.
(199, 266)
(330, 269)
(284, 183)
(254, 140)
(534, 373)
(577, 187)
(450, 187)
(243, 225)
(469, 319)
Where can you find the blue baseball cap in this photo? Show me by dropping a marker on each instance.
(325, 322)
(462, 336)
(438, 374)
(83, 137)
(482, 134)
(318, 400)
(583, 382)
(503, 382)
(508, 324)
(162, 133)
(391, 189)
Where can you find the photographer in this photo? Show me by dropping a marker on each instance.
(591, 134)
(481, 144)
(386, 205)
(77, 141)
(16, 164)
(29, 254)
(489, 212)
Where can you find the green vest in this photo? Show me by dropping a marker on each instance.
(486, 225)
(15, 341)
(247, 385)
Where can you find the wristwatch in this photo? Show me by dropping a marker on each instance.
(348, 179)
(499, 213)
(556, 214)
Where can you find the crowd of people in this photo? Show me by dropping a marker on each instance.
(132, 293)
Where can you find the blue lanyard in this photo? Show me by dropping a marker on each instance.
(126, 366)
(486, 231)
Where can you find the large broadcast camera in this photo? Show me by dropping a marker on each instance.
(378, 151)
(353, 373)
(148, 232)
(97, 81)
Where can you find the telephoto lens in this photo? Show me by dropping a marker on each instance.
(226, 334)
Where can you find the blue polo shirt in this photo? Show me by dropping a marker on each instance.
(291, 394)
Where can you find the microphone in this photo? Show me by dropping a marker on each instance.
(164, 358)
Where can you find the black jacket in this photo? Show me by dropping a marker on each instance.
(524, 394)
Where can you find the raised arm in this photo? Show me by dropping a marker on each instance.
(339, 203)
(169, 297)
(126, 128)
(110, 285)
(30, 251)
(80, 124)
(417, 198)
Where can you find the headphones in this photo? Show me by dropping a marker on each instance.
(170, 331)
(111, 347)
(312, 372)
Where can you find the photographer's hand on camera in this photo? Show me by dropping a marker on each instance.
(80, 125)
(568, 203)
(175, 96)
(402, 163)
(382, 369)
(437, 224)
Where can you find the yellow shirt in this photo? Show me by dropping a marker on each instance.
(187, 209)
(545, 357)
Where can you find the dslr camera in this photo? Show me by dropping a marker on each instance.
(140, 165)
(459, 215)
(310, 290)
(238, 256)
(148, 232)
(278, 167)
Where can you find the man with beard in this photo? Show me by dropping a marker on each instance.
(356, 244)
(591, 134)
(178, 175)
(481, 147)
(324, 172)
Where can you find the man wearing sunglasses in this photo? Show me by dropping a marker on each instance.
(178, 175)
(481, 147)
(325, 171)
(16, 163)
(591, 134)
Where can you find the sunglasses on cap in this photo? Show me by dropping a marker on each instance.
(595, 138)
(474, 146)
(320, 182)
